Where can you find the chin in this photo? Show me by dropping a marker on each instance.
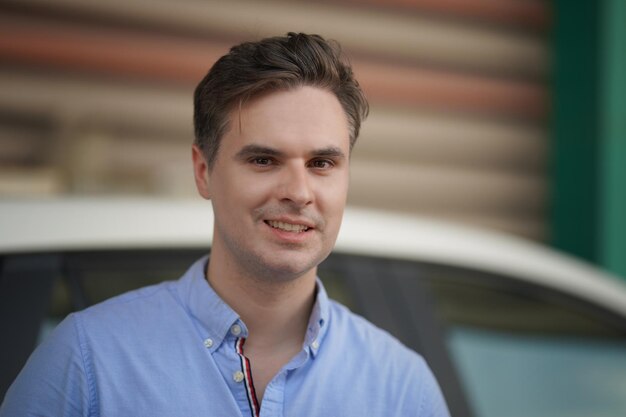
(286, 272)
(290, 269)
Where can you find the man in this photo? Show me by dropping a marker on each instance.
(249, 331)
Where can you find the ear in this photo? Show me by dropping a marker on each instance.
(201, 172)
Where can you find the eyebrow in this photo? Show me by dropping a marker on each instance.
(254, 150)
(331, 151)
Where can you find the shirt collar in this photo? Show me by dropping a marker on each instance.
(318, 322)
(216, 317)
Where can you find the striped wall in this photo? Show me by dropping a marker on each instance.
(95, 97)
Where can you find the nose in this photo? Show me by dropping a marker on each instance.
(295, 186)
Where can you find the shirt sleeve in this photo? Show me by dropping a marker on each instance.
(54, 381)
(432, 402)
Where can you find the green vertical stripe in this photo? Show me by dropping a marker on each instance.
(612, 213)
(575, 129)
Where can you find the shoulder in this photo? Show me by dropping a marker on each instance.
(160, 304)
(55, 374)
(145, 297)
(125, 325)
(365, 336)
(391, 371)
(372, 348)
(131, 308)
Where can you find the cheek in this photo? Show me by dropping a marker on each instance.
(236, 188)
(246, 197)
(332, 201)
(335, 191)
(253, 190)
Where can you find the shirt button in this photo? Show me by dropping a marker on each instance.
(236, 329)
(238, 376)
(315, 345)
(208, 343)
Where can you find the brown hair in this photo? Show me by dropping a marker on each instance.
(277, 63)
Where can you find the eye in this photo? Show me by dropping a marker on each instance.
(261, 161)
(322, 163)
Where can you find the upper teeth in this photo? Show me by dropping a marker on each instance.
(288, 226)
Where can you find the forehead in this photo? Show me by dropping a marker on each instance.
(307, 116)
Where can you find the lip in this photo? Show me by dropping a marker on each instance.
(298, 222)
(285, 236)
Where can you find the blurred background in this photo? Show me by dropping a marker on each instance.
(501, 114)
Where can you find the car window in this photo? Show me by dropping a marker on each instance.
(88, 278)
(526, 350)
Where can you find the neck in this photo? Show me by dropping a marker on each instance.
(276, 312)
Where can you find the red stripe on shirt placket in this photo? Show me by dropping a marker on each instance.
(247, 372)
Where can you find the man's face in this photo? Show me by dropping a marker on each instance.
(279, 183)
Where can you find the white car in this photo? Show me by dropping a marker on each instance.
(510, 328)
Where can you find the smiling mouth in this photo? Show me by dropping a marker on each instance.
(287, 227)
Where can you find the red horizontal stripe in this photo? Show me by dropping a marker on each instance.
(181, 60)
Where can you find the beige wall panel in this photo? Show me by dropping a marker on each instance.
(451, 139)
(531, 227)
(46, 181)
(20, 145)
(528, 226)
(98, 153)
(419, 87)
(529, 14)
(99, 103)
(387, 133)
(412, 187)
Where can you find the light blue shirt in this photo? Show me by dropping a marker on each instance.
(175, 349)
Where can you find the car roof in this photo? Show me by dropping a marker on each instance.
(79, 224)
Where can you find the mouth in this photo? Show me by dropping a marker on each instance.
(288, 227)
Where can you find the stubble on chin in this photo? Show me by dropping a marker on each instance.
(281, 265)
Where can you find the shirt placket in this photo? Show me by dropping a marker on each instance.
(235, 371)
